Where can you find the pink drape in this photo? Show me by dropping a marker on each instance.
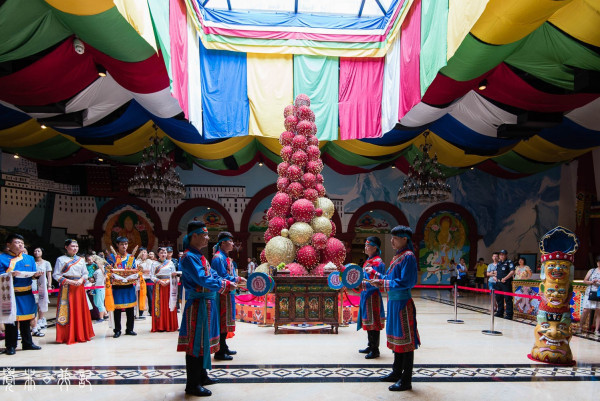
(178, 34)
(410, 50)
(361, 86)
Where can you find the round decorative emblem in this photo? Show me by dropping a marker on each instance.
(259, 284)
(334, 280)
(353, 276)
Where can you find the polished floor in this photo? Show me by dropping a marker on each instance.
(455, 362)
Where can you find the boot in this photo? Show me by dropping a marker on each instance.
(222, 354)
(205, 380)
(396, 373)
(193, 368)
(405, 382)
(373, 344)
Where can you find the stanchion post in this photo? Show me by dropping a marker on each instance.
(455, 320)
(491, 331)
(265, 306)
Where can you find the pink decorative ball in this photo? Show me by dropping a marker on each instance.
(318, 212)
(282, 168)
(299, 142)
(290, 123)
(268, 236)
(320, 178)
(286, 137)
(313, 152)
(295, 190)
(281, 204)
(304, 128)
(263, 257)
(277, 224)
(335, 251)
(313, 166)
(296, 269)
(300, 158)
(282, 183)
(311, 194)
(305, 113)
(302, 100)
(308, 180)
(303, 210)
(313, 127)
(289, 110)
(290, 221)
(294, 173)
(286, 153)
(332, 229)
(320, 190)
(270, 213)
(313, 140)
(307, 256)
(319, 240)
(319, 270)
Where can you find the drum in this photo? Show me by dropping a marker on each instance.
(352, 276)
(335, 281)
(260, 283)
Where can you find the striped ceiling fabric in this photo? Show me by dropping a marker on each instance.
(507, 86)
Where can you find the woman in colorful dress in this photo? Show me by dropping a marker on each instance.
(163, 317)
(371, 313)
(402, 334)
(73, 319)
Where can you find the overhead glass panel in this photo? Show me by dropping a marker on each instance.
(329, 7)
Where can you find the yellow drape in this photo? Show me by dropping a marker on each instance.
(580, 19)
(462, 15)
(137, 14)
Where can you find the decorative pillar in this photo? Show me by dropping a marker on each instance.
(586, 194)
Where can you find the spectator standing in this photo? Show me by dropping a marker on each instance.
(251, 266)
(480, 273)
(492, 271)
(592, 279)
(45, 267)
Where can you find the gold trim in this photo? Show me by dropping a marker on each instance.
(22, 289)
(123, 306)
(25, 317)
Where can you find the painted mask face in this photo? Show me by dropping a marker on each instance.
(555, 296)
(552, 342)
(557, 271)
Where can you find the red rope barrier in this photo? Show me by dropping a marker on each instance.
(435, 287)
(500, 292)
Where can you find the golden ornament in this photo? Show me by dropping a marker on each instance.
(264, 268)
(284, 232)
(321, 225)
(300, 233)
(280, 249)
(326, 205)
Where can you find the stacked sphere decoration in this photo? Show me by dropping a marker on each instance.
(326, 205)
(270, 213)
(299, 142)
(313, 141)
(284, 233)
(276, 225)
(282, 183)
(290, 123)
(319, 270)
(313, 127)
(299, 158)
(294, 172)
(320, 178)
(282, 168)
(281, 204)
(311, 194)
(302, 100)
(263, 257)
(313, 153)
(295, 190)
(300, 233)
(313, 166)
(307, 256)
(308, 180)
(268, 235)
(290, 221)
(263, 268)
(303, 210)
(280, 250)
(286, 138)
(304, 128)
(296, 269)
(319, 240)
(321, 225)
(289, 110)
(335, 251)
(305, 113)
(320, 190)
(286, 153)
(332, 229)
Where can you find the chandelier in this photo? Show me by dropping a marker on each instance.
(425, 182)
(155, 176)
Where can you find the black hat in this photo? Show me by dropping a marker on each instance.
(224, 234)
(503, 251)
(402, 231)
(375, 240)
(142, 248)
(121, 239)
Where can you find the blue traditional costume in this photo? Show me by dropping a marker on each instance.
(26, 305)
(371, 313)
(402, 334)
(121, 295)
(224, 266)
(199, 329)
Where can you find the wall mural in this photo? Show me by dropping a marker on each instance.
(213, 219)
(128, 221)
(445, 237)
(258, 220)
(375, 222)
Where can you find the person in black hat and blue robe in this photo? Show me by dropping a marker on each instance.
(199, 329)
(402, 334)
(371, 313)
